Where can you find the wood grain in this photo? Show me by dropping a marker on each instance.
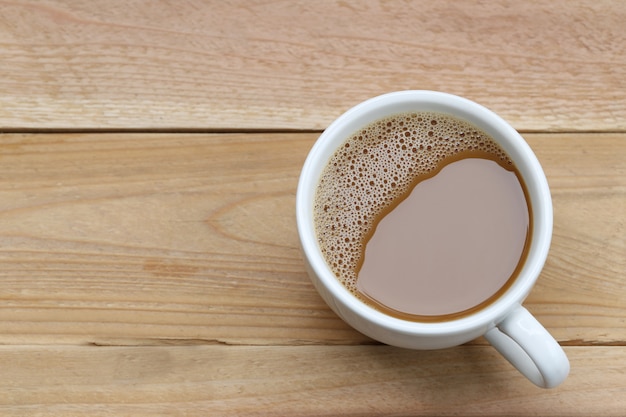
(198, 65)
(149, 157)
(148, 239)
(299, 381)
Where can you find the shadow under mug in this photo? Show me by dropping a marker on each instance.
(508, 326)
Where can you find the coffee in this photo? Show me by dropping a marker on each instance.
(423, 216)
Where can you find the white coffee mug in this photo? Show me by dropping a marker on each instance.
(508, 326)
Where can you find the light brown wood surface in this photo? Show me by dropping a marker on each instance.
(140, 64)
(149, 156)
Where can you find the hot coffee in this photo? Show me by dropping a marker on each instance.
(423, 216)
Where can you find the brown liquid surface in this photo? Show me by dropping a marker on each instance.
(451, 244)
(424, 262)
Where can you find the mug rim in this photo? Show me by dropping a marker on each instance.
(485, 119)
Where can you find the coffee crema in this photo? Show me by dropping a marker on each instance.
(375, 171)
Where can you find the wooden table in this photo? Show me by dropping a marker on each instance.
(149, 155)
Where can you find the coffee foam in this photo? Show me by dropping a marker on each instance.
(376, 168)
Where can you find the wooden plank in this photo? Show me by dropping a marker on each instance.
(79, 64)
(299, 381)
(581, 286)
(178, 238)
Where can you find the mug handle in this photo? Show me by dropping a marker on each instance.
(528, 346)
